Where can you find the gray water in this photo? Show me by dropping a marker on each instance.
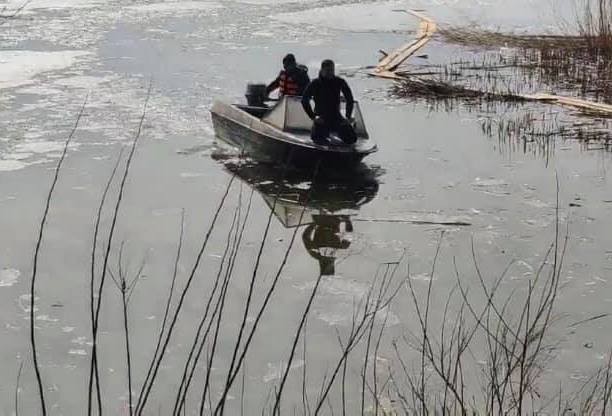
(434, 165)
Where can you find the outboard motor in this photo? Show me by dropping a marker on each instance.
(256, 95)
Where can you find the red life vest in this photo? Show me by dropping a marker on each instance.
(287, 85)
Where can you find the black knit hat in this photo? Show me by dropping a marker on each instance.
(289, 58)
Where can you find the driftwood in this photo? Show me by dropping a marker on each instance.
(450, 222)
(388, 68)
(588, 106)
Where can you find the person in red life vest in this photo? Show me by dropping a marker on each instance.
(325, 90)
(292, 80)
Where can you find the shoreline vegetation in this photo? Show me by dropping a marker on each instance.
(512, 71)
(579, 66)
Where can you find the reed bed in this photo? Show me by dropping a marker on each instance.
(576, 65)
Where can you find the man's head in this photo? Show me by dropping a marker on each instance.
(289, 62)
(328, 69)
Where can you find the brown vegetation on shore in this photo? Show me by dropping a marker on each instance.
(576, 65)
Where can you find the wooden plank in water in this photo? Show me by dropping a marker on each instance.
(427, 28)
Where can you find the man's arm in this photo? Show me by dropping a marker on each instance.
(306, 97)
(348, 96)
(304, 80)
(273, 85)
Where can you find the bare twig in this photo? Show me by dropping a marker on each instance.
(17, 387)
(94, 366)
(41, 232)
(146, 390)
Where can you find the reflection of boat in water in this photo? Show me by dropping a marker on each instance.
(282, 133)
(324, 207)
(295, 191)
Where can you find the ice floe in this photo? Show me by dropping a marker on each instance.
(10, 165)
(176, 6)
(18, 68)
(8, 277)
(387, 16)
(382, 17)
(275, 370)
(272, 2)
(15, 5)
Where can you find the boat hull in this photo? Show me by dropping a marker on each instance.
(267, 146)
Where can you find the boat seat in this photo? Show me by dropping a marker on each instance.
(258, 112)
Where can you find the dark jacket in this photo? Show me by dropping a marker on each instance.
(297, 76)
(326, 95)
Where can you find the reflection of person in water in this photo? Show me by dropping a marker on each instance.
(324, 237)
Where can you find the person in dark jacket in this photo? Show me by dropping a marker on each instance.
(292, 80)
(325, 90)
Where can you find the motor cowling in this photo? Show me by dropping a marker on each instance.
(256, 95)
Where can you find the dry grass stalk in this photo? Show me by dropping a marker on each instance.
(594, 24)
(476, 37)
(436, 89)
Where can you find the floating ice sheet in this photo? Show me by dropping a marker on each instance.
(19, 68)
(267, 2)
(275, 370)
(8, 277)
(492, 14)
(176, 6)
(379, 17)
(12, 5)
(10, 165)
